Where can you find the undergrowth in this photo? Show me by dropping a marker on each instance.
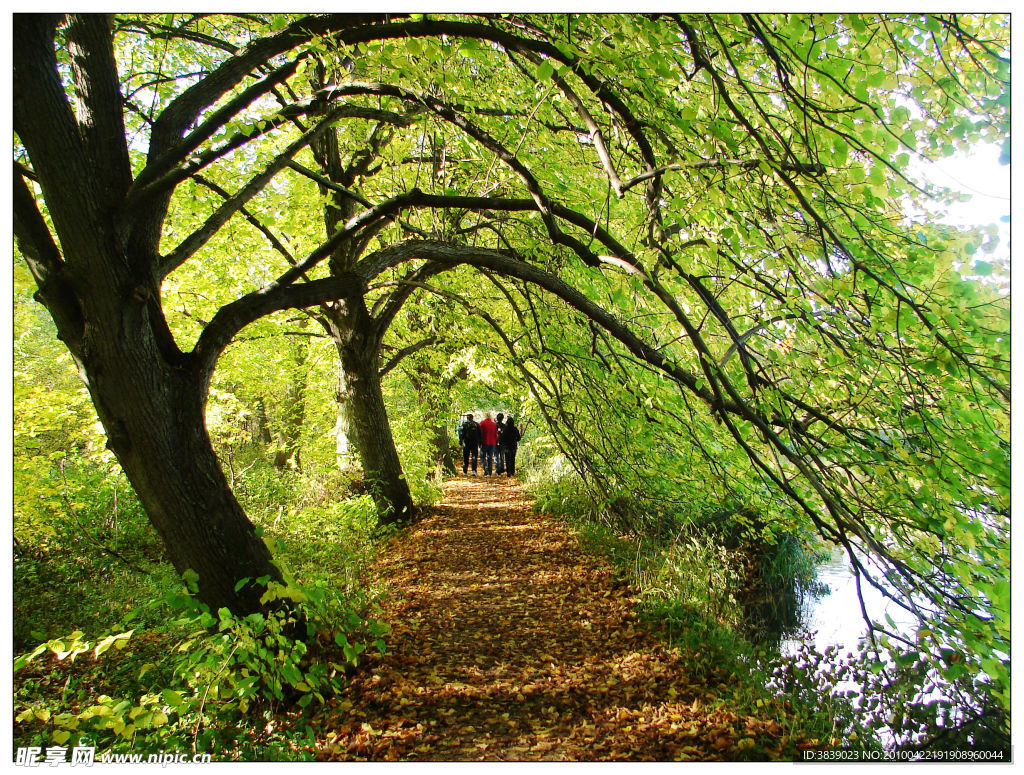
(115, 650)
(692, 585)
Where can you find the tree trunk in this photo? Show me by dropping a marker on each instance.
(444, 453)
(434, 391)
(103, 291)
(154, 417)
(342, 447)
(365, 416)
(259, 431)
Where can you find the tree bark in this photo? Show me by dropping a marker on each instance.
(362, 416)
(342, 446)
(154, 418)
(444, 453)
(361, 401)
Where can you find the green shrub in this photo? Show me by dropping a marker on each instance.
(701, 575)
(183, 677)
(211, 690)
(84, 552)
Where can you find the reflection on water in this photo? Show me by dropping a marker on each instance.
(907, 707)
(835, 618)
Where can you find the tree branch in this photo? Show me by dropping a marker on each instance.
(98, 93)
(204, 233)
(271, 237)
(404, 353)
(184, 110)
(592, 127)
(154, 178)
(502, 262)
(46, 125)
(802, 168)
(233, 317)
(33, 235)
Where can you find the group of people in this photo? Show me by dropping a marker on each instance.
(494, 442)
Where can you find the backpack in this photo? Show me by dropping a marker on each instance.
(469, 433)
(511, 435)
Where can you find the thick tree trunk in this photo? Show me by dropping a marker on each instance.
(365, 415)
(154, 417)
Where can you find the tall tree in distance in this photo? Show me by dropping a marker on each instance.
(356, 332)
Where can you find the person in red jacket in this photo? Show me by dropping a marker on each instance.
(488, 442)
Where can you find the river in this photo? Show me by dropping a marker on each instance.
(835, 618)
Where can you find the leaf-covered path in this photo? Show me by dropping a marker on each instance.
(510, 643)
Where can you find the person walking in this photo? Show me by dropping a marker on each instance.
(510, 438)
(488, 442)
(469, 437)
(499, 452)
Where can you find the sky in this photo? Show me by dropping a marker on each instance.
(986, 180)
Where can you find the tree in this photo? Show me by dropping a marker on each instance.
(356, 332)
(717, 202)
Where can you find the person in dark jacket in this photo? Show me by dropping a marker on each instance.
(510, 437)
(469, 437)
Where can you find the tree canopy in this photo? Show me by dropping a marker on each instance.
(684, 238)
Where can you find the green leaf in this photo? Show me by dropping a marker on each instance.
(191, 579)
(24, 659)
(172, 698)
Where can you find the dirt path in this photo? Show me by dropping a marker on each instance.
(510, 643)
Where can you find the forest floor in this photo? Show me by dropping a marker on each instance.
(509, 642)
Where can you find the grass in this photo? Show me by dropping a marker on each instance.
(726, 594)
